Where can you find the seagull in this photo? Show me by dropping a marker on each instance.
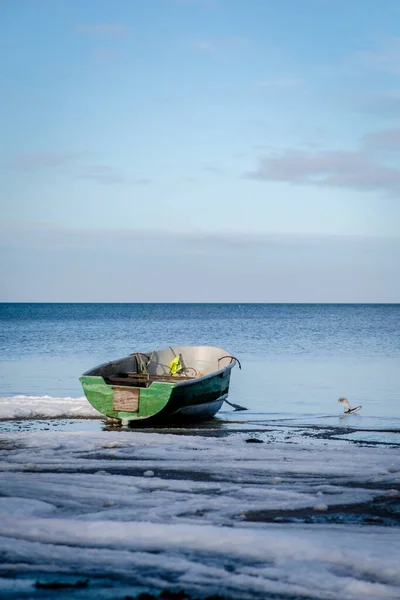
(347, 407)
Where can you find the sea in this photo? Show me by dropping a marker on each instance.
(297, 359)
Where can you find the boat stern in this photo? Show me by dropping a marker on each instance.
(123, 402)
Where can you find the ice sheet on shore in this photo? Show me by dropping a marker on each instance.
(40, 407)
(86, 504)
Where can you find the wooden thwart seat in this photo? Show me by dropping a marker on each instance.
(144, 379)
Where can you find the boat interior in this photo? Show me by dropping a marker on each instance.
(172, 364)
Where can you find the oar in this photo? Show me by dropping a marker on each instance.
(235, 406)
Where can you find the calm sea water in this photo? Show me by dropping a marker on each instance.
(297, 359)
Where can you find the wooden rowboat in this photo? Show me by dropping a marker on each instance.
(172, 383)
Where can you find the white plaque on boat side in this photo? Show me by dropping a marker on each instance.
(125, 399)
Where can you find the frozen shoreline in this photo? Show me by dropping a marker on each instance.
(45, 407)
(147, 511)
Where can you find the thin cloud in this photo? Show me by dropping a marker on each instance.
(257, 268)
(208, 4)
(104, 29)
(214, 169)
(206, 45)
(103, 174)
(37, 160)
(72, 163)
(219, 45)
(279, 82)
(362, 169)
(144, 181)
(45, 234)
(386, 58)
(385, 104)
(387, 140)
(107, 55)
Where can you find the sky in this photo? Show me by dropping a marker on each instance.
(200, 150)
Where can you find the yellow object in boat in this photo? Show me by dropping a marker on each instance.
(175, 365)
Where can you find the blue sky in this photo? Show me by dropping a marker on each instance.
(228, 150)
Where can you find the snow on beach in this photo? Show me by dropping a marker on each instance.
(205, 514)
(46, 407)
